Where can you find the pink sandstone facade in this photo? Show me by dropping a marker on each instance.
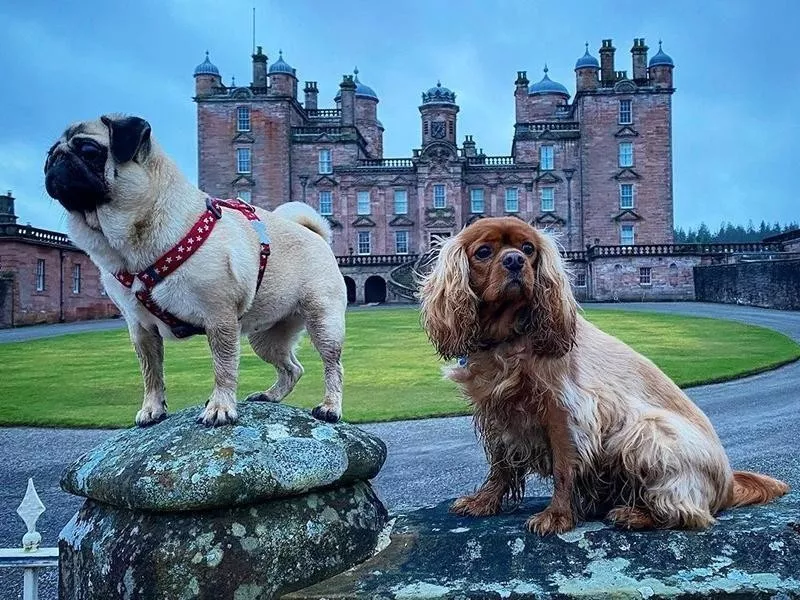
(44, 278)
(597, 169)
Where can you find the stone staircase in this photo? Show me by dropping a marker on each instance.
(403, 279)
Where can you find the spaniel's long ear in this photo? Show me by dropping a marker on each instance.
(553, 310)
(449, 306)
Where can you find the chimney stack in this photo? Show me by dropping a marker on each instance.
(607, 64)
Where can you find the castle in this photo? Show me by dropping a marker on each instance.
(597, 169)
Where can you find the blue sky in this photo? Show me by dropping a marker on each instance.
(736, 128)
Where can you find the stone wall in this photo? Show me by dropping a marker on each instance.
(769, 284)
(623, 278)
(57, 301)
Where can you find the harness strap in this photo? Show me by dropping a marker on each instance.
(179, 253)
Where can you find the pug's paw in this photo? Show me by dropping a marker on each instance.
(218, 413)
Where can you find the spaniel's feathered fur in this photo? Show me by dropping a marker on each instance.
(555, 396)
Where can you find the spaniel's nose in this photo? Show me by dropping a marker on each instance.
(513, 261)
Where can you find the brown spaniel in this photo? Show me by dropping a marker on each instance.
(554, 396)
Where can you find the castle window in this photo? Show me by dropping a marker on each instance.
(625, 112)
(245, 195)
(626, 154)
(76, 279)
(425, 128)
(400, 202)
(476, 201)
(546, 162)
(439, 196)
(40, 275)
(364, 242)
(547, 196)
(626, 236)
(362, 203)
(401, 242)
(325, 162)
(512, 200)
(243, 160)
(451, 127)
(325, 203)
(580, 279)
(626, 195)
(644, 276)
(243, 118)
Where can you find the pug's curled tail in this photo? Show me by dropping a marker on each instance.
(303, 214)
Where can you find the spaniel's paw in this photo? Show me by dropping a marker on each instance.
(475, 506)
(550, 521)
(628, 517)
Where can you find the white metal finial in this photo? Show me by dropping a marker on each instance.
(30, 509)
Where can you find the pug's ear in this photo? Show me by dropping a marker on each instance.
(130, 137)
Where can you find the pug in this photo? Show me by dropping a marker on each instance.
(131, 209)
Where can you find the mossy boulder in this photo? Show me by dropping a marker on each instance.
(274, 451)
(244, 512)
(244, 553)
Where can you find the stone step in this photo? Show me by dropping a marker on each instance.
(751, 552)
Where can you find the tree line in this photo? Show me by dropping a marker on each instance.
(728, 232)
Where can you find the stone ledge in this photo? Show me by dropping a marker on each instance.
(751, 552)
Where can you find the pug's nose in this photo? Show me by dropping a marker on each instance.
(513, 261)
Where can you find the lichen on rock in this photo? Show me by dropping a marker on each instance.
(274, 451)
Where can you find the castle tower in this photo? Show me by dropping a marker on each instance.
(438, 113)
(639, 56)
(259, 69)
(365, 108)
(206, 78)
(661, 66)
(282, 78)
(586, 70)
(7, 214)
(607, 74)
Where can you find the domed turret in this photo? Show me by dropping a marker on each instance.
(586, 69)
(362, 90)
(660, 69)
(280, 66)
(438, 95)
(282, 78)
(206, 68)
(547, 86)
(661, 58)
(206, 78)
(587, 60)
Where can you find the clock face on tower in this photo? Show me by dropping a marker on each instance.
(438, 130)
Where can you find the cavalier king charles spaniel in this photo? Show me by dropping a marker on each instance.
(554, 396)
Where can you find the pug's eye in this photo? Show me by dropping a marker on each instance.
(89, 149)
(483, 252)
(527, 248)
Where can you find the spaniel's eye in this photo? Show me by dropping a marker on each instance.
(483, 252)
(527, 248)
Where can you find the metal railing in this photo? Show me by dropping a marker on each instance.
(30, 558)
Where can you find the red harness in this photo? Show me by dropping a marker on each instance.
(175, 257)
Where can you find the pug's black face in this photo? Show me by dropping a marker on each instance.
(79, 165)
(75, 171)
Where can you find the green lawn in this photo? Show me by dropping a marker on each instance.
(391, 371)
